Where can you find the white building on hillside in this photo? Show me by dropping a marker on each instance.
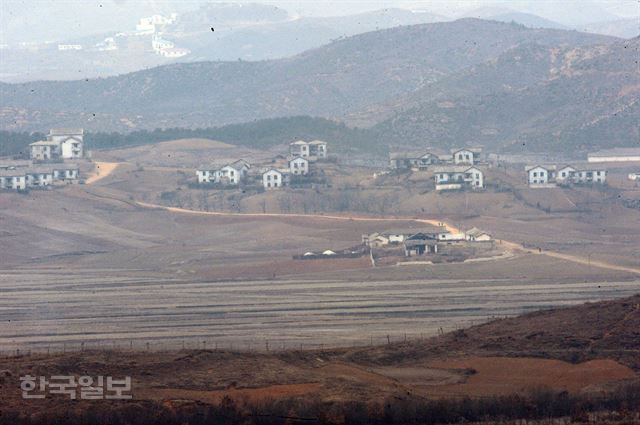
(61, 143)
(574, 175)
(312, 151)
(408, 160)
(13, 180)
(468, 156)
(299, 166)
(456, 177)
(230, 174)
(274, 179)
(540, 176)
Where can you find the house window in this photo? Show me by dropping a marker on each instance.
(535, 174)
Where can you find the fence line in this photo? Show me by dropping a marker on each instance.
(264, 346)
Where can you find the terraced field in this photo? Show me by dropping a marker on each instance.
(62, 309)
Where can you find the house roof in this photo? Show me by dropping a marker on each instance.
(12, 173)
(65, 166)
(418, 242)
(317, 142)
(408, 155)
(14, 164)
(66, 131)
(44, 143)
(546, 167)
(241, 162)
(415, 230)
(476, 232)
(474, 150)
(298, 157)
(272, 169)
(298, 142)
(454, 168)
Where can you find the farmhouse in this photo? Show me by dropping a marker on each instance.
(477, 235)
(38, 177)
(573, 175)
(14, 176)
(540, 176)
(274, 179)
(417, 245)
(398, 236)
(410, 160)
(13, 180)
(61, 143)
(457, 177)
(299, 166)
(231, 174)
(312, 151)
(615, 155)
(469, 156)
(318, 149)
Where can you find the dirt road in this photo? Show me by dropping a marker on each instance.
(103, 169)
(512, 246)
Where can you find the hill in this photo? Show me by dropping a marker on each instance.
(348, 75)
(531, 98)
(608, 329)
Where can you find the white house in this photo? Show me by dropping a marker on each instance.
(39, 177)
(273, 179)
(67, 174)
(574, 175)
(538, 175)
(469, 156)
(299, 166)
(318, 149)
(456, 177)
(398, 236)
(312, 151)
(477, 235)
(407, 160)
(230, 174)
(12, 180)
(299, 148)
(60, 143)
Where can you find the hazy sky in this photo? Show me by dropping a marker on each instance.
(30, 20)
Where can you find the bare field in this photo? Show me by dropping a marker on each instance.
(89, 264)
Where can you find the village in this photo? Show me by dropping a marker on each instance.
(309, 168)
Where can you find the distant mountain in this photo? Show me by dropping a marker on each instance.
(528, 20)
(293, 36)
(503, 14)
(533, 98)
(334, 81)
(624, 28)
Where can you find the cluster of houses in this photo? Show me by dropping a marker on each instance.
(23, 175)
(422, 240)
(301, 155)
(541, 176)
(48, 165)
(60, 144)
(456, 170)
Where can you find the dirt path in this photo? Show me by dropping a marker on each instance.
(512, 246)
(103, 169)
(280, 215)
(569, 257)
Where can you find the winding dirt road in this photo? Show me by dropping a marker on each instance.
(104, 169)
(510, 246)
